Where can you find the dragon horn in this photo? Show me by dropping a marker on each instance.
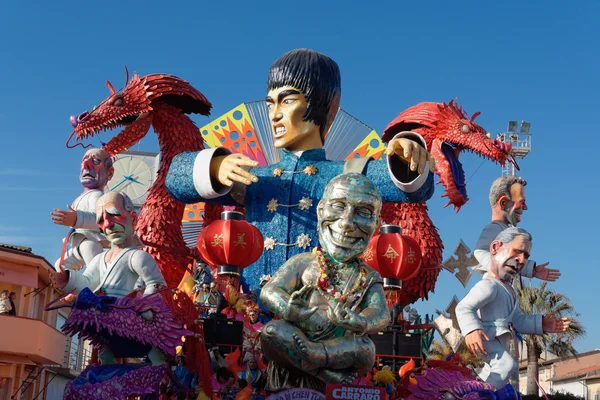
(126, 76)
(475, 116)
(51, 306)
(110, 87)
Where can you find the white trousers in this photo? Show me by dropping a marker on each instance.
(499, 363)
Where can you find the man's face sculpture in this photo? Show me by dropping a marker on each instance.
(516, 204)
(252, 315)
(287, 107)
(94, 172)
(348, 216)
(114, 220)
(510, 259)
(252, 364)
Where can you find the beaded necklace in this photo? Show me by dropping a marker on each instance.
(328, 290)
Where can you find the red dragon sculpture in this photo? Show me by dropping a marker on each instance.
(448, 131)
(161, 101)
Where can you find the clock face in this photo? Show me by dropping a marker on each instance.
(132, 176)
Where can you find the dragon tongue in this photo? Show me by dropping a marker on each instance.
(456, 167)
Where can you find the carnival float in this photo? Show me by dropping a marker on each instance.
(276, 251)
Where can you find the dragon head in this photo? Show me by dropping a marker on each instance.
(448, 131)
(128, 326)
(129, 107)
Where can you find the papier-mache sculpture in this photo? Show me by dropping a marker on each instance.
(123, 324)
(329, 300)
(304, 90)
(508, 202)
(85, 240)
(489, 315)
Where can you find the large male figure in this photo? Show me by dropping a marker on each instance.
(507, 199)
(329, 301)
(304, 89)
(86, 241)
(115, 271)
(489, 314)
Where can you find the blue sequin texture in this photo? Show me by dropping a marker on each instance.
(287, 223)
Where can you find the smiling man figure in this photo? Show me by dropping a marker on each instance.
(303, 97)
(489, 315)
(329, 301)
(507, 199)
(85, 241)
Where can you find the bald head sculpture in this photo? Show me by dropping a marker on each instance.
(116, 217)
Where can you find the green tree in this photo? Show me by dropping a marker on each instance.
(440, 349)
(545, 301)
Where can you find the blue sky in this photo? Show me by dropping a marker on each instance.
(510, 60)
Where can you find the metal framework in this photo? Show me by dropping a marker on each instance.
(519, 138)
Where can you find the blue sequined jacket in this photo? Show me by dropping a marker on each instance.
(283, 206)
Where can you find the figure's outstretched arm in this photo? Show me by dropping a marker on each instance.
(209, 175)
(90, 278)
(395, 173)
(528, 324)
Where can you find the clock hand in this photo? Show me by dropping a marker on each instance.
(131, 178)
(119, 184)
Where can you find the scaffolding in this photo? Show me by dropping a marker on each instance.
(519, 138)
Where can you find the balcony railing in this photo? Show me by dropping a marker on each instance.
(76, 356)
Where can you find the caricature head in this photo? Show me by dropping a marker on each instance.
(507, 196)
(252, 311)
(304, 90)
(96, 169)
(348, 215)
(116, 217)
(510, 253)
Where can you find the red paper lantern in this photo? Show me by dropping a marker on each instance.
(395, 256)
(230, 243)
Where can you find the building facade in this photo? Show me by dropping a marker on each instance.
(36, 359)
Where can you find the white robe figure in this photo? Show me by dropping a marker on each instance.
(482, 249)
(493, 306)
(119, 277)
(86, 241)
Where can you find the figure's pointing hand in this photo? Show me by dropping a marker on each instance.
(412, 153)
(230, 169)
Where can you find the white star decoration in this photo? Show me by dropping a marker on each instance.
(303, 241)
(272, 206)
(305, 203)
(269, 243)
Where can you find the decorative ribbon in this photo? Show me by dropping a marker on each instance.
(86, 299)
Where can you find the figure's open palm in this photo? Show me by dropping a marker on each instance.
(546, 274)
(555, 325)
(63, 217)
(297, 309)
